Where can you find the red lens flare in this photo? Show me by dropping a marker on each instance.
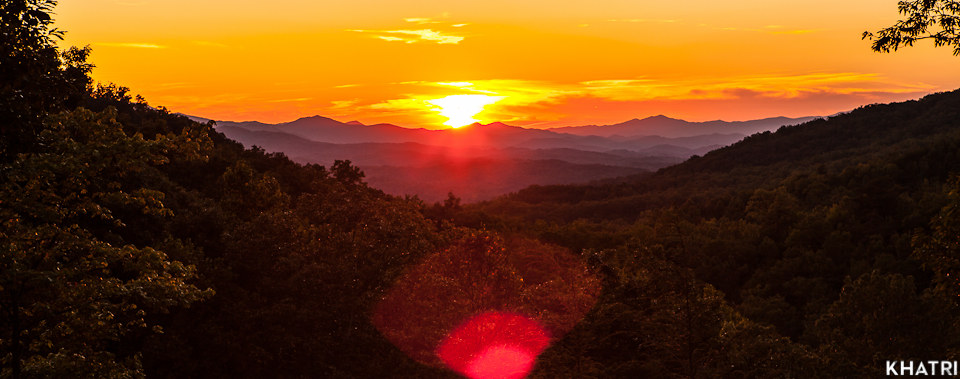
(501, 362)
(486, 309)
(494, 345)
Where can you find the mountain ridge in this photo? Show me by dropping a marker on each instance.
(392, 154)
(664, 126)
(627, 135)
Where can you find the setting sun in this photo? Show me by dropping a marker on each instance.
(460, 109)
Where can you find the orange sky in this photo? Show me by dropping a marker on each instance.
(535, 63)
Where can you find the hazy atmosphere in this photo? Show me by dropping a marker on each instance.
(531, 63)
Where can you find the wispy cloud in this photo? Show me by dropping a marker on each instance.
(344, 104)
(614, 82)
(421, 20)
(412, 36)
(131, 44)
(391, 38)
(767, 30)
(290, 100)
(771, 86)
(796, 31)
(643, 20)
(399, 106)
(429, 35)
(534, 101)
(467, 86)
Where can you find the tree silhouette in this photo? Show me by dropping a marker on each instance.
(71, 290)
(36, 77)
(936, 19)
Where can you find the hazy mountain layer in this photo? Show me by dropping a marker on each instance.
(628, 135)
(479, 162)
(482, 179)
(670, 127)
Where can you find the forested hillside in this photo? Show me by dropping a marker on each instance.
(836, 232)
(138, 243)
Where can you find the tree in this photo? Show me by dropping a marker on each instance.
(480, 279)
(926, 19)
(35, 77)
(882, 317)
(69, 299)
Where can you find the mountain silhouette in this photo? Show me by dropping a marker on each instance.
(627, 135)
(670, 127)
(481, 161)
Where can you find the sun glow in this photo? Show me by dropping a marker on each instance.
(461, 109)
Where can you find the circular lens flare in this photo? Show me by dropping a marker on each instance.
(494, 345)
(501, 362)
(460, 109)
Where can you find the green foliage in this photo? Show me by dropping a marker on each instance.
(35, 77)
(247, 193)
(479, 273)
(926, 19)
(881, 317)
(940, 250)
(70, 299)
(940, 253)
(655, 319)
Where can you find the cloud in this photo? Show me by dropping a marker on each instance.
(400, 105)
(390, 38)
(642, 20)
(532, 101)
(780, 86)
(799, 31)
(611, 83)
(468, 86)
(535, 102)
(796, 31)
(131, 44)
(290, 100)
(343, 104)
(421, 20)
(412, 36)
(429, 35)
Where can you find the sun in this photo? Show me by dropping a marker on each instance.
(460, 109)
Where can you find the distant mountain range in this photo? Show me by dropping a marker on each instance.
(670, 127)
(647, 132)
(478, 162)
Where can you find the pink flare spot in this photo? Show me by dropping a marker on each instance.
(501, 362)
(494, 345)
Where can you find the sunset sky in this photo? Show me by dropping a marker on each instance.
(532, 63)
